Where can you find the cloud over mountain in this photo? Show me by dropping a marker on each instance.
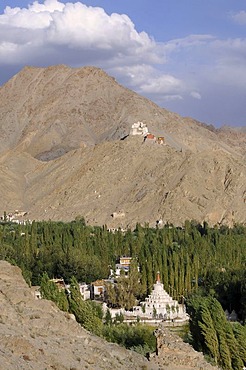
(77, 28)
(186, 74)
(76, 34)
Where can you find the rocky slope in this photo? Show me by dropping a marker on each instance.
(61, 154)
(173, 353)
(35, 334)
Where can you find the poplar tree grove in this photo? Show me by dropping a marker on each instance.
(198, 265)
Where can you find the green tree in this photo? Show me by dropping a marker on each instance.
(209, 332)
(50, 291)
(108, 318)
(240, 335)
(82, 310)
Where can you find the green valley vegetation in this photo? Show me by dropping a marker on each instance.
(123, 293)
(89, 314)
(194, 261)
(138, 337)
(222, 341)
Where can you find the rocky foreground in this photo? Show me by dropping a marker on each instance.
(35, 334)
(174, 354)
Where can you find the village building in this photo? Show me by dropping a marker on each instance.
(150, 138)
(123, 267)
(15, 217)
(97, 289)
(125, 261)
(160, 305)
(120, 214)
(85, 291)
(59, 282)
(160, 140)
(113, 230)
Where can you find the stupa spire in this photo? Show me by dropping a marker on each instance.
(158, 279)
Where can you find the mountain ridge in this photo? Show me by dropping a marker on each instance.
(62, 154)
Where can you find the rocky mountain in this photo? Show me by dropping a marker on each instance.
(65, 152)
(36, 335)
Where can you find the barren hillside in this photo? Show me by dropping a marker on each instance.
(61, 154)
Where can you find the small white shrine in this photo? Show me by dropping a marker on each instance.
(139, 128)
(160, 305)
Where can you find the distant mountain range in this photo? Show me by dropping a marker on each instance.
(65, 151)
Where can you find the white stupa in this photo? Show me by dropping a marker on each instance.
(160, 305)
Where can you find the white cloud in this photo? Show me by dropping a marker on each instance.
(239, 17)
(76, 26)
(49, 5)
(207, 60)
(196, 95)
(167, 98)
(189, 42)
(76, 34)
(229, 67)
(146, 80)
(163, 84)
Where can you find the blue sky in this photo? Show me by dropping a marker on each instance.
(188, 56)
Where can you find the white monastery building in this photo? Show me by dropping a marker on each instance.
(139, 128)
